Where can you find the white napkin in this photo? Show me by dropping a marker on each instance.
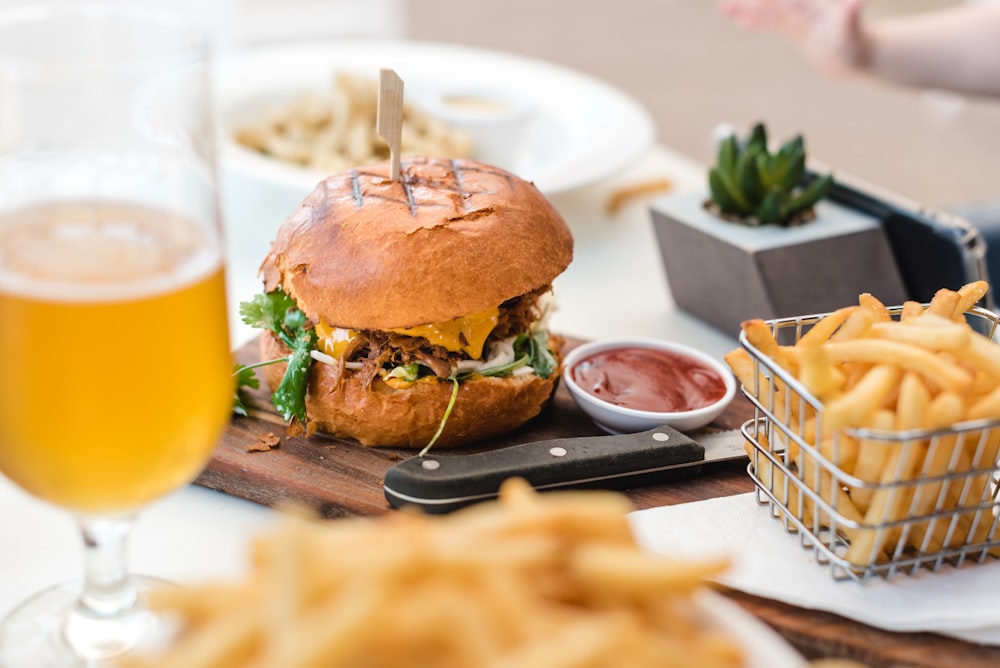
(769, 562)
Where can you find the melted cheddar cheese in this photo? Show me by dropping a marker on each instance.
(333, 340)
(467, 334)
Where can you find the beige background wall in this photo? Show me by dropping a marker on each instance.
(692, 68)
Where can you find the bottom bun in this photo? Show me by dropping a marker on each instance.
(408, 418)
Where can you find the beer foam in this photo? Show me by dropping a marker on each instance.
(101, 251)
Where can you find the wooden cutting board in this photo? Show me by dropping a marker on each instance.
(338, 478)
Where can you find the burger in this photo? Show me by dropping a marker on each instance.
(413, 311)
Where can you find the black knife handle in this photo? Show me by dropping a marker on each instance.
(441, 483)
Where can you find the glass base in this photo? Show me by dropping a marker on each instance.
(50, 631)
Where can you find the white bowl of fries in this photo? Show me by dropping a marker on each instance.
(332, 128)
(559, 128)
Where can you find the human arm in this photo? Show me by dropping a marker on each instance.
(956, 48)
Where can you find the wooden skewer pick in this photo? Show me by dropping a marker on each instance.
(389, 124)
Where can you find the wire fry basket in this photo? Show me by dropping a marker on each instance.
(944, 513)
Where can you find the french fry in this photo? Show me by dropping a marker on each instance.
(842, 450)
(774, 480)
(867, 395)
(778, 396)
(740, 362)
(946, 409)
(911, 310)
(986, 407)
(968, 296)
(945, 374)
(787, 494)
(986, 527)
(826, 326)
(855, 326)
(870, 461)
(944, 303)
(889, 502)
(760, 337)
(821, 481)
(965, 494)
(876, 308)
(774, 395)
(981, 354)
(818, 373)
(625, 574)
(983, 455)
(927, 331)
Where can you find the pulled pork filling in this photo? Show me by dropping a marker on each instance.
(377, 349)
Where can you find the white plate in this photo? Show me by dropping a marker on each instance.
(763, 646)
(584, 130)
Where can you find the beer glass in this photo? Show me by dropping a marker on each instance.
(115, 368)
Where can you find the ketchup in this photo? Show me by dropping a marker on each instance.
(649, 379)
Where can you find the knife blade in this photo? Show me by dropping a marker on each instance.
(440, 483)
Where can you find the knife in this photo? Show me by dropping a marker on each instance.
(443, 483)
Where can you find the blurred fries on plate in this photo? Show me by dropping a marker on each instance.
(530, 580)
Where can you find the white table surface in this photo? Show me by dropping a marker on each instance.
(615, 287)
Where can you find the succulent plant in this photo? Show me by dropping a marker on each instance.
(756, 187)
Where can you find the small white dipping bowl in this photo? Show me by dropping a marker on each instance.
(619, 419)
(499, 122)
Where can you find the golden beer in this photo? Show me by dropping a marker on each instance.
(115, 369)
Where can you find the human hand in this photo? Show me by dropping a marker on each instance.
(828, 32)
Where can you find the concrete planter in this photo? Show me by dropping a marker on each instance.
(725, 273)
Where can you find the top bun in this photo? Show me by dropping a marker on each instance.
(452, 238)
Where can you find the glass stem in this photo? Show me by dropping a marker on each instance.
(105, 621)
(107, 588)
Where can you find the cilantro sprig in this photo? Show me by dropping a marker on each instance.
(277, 312)
(290, 397)
(245, 377)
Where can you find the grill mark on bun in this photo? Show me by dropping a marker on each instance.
(359, 198)
(376, 179)
(456, 172)
(409, 194)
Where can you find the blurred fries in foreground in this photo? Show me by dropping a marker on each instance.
(872, 438)
(531, 580)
